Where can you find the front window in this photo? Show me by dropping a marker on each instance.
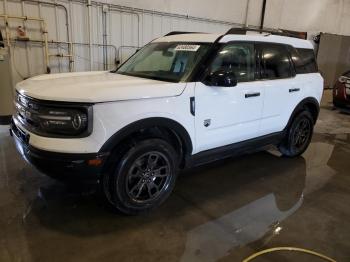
(238, 58)
(172, 62)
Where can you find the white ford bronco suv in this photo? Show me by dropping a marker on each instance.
(182, 100)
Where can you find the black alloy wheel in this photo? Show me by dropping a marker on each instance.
(148, 176)
(302, 133)
(298, 135)
(142, 177)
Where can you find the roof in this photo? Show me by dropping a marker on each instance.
(256, 37)
(196, 38)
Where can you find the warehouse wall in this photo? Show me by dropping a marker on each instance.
(331, 16)
(313, 16)
(127, 28)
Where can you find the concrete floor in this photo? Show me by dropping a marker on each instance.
(220, 212)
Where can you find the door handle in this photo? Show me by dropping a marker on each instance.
(294, 90)
(252, 95)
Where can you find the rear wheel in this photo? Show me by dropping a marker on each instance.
(143, 178)
(298, 136)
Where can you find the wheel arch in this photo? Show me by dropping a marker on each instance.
(135, 130)
(311, 104)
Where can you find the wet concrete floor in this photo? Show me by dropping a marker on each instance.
(224, 211)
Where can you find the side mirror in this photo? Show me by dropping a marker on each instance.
(221, 78)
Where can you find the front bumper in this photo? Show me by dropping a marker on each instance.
(61, 166)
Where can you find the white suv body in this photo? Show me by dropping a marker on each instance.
(209, 120)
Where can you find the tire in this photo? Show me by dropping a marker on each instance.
(299, 135)
(143, 177)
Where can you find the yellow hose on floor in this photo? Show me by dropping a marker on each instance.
(310, 252)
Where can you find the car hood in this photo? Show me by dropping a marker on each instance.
(94, 87)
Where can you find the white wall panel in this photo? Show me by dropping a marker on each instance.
(313, 16)
(126, 31)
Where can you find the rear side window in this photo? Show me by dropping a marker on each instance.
(304, 60)
(275, 62)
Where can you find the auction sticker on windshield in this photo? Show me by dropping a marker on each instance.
(190, 48)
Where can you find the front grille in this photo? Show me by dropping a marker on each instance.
(19, 133)
(27, 110)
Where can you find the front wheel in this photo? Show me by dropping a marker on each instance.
(298, 136)
(143, 178)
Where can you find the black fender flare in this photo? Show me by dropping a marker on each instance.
(306, 102)
(138, 125)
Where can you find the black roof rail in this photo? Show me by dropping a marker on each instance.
(181, 33)
(281, 32)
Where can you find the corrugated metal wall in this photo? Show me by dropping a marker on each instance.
(126, 29)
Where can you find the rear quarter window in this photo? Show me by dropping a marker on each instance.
(304, 60)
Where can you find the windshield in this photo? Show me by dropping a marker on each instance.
(172, 62)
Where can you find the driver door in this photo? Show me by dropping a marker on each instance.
(227, 115)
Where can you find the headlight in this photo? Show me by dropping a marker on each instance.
(69, 122)
(54, 119)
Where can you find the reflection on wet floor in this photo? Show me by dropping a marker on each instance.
(224, 211)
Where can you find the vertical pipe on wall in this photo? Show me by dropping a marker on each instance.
(138, 16)
(7, 31)
(142, 29)
(161, 25)
(71, 34)
(57, 37)
(247, 14)
(46, 47)
(90, 31)
(44, 52)
(45, 40)
(26, 44)
(152, 25)
(263, 15)
(104, 39)
(121, 36)
(98, 28)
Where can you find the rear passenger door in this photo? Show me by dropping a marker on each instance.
(282, 90)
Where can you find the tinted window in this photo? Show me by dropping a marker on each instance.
(304, 61)
(275, 62)
(236, 58)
